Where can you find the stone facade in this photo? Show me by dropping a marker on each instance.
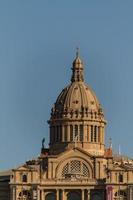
(77, 165)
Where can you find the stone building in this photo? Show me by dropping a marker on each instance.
(76, 166)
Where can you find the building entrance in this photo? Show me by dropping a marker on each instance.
(50, 196)
(73, 195)
(97, 194)
(96, 197)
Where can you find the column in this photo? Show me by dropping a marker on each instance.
(89, 133)
(57, 194)
(83, 195)
(101, 137)
(14, 193)
(68, 133)
(88, 195)
(85, 133)
(38, 194)
(63, 195)
(43, 195)
(102, 134)
(63, 136)
(96, 134)
(40, 191)
(93, 133)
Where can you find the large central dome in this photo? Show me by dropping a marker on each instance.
(77, 98)
(77, 116)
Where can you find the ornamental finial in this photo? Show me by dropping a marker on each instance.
(77, 52)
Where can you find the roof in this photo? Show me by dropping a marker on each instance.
(5, 176)
(5, 173)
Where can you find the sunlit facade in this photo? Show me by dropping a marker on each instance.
(76, 166)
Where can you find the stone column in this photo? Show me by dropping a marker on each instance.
(103, 133)
(89, 133)
(63, 135)
(101, 137)
(83, 195)
(40, 191)
(38, 194)
(43, 195)
(68, 133)
(93, 133)
(63, 195)
(57, 194)
(85, 132)
(89, 196)
(96, 134)
(13, 193)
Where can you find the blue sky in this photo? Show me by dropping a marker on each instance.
(37, 46)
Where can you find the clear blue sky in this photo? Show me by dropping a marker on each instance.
(37, 46)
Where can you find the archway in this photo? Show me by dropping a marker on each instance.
(50, 196)
(73, 195)
(96, 196)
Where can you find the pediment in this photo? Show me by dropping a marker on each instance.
(75, 152)
(117, 168)
(23, 168)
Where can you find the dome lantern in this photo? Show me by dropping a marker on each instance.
(77, 69)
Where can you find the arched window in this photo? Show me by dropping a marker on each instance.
(73, 195)
(57, 133)
(50, 196)
(24, 178)
(60, 133)
(98, 134)
(95, 133)
(65, 133)
(97, 196)
(54, 133)
(75, 169)
(87, 133)
(76, 130)
(91, 133)
(120, 178)
(81, 133)
(71, 133)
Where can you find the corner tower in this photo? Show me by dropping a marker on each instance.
(77, 119)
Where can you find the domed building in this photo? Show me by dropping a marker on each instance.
(76, 166)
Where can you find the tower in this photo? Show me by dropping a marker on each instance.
(77, 118)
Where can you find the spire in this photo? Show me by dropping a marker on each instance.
(77, 69)
(77, 52)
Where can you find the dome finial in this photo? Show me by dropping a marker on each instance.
(77, 52)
